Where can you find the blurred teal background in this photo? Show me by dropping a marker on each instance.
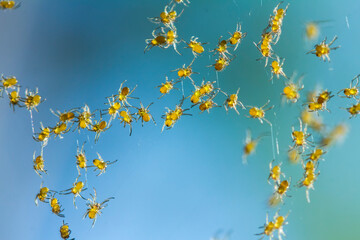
(189, 182)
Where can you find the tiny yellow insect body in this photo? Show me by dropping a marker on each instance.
(309, 178)
(300, 138)
(43, 195)
(275, 173)
(94, 208)
(265, 46)
(236, 36)
(220, 64)
(353, 90)
(143, 113)
(172, 116)
(316, 154)
(6, 5)
(124, 94)
(312, 121)
(336, 135)
(65, 231)
(14, 98)
(56, 207)
(322, 50)
(113, 109)
(167, 17)
(195, 46)
(81, 161)
(60, 129)
(185, 72)
(232, 101)
(64, 117)
(101, 165)
(39, 164)
(206, 105)
(222, 49)
(319, 102)
(8, 82)
(354, 110)
(166, 87)
(158, 40)
(32, 100)
(250, 145)
(171, 40)
(312, 31)
(279, 223)
(276, 224)
(280, 191)
(99, 127)
(44, 135)
(126, 118)
(259, 112)
(84, 118)
(277, 68)
(291, 91)
(205, 89)
(76, 189)
(275, 22)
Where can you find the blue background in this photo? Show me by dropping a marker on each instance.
(189, 182)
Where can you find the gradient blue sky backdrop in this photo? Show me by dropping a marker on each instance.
(189, 182)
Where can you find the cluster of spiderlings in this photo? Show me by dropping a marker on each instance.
(277, 224)
(270, 36)
(352, 92)
(165, 35)
(10, 86)
(119, 107)
(222, 49)
(202, 96)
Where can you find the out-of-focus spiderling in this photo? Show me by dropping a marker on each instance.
(336, 135)
(250, 145)
(294, 156)
(7, 5)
